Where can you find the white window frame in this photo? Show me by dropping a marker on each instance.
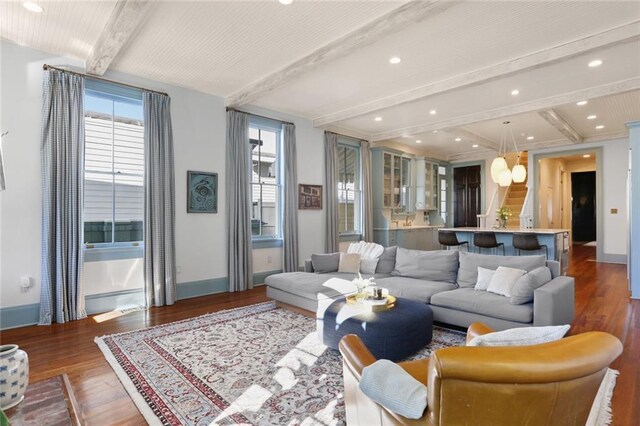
(123, 249)
(357, 219)
(275, 240)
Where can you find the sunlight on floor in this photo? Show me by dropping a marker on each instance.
(117, 313)
(251, 400)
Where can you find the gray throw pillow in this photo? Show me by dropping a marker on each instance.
(437, 265)
(391, 386)
(323, 263)
(522, 290)
(469, 262)
(387, 260)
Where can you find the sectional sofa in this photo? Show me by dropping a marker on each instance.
(443, 279)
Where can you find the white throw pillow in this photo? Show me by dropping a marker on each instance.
(523, 336)
(391, 386)
(484, 278)
(504, 279)
(369, 255)
(349, 262)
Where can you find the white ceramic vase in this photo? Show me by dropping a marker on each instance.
(14, 375)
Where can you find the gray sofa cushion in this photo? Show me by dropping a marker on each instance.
(522, 291)
(387, 261)
(438, 265)
(412, 288)
(323, 263)
(312, 286)
(469, 262)
(484, 303)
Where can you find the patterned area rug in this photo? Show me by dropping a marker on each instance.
(258, 365)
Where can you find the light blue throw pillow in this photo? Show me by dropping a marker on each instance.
(391, 386)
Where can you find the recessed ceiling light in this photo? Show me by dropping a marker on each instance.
(586, 156)
(515, 92)
(395, 60)
(592, 117)
(581, 103)
(433, 112)
(435, 131)
(378, 119)
(599, 127)
(595, 63)
(418, 141)
(530, 138)
(457, 139)
(475, 145)
(30, 6)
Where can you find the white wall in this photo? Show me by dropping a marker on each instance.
(615, 158)
(199, 132)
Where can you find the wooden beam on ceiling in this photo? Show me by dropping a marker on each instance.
(409, 13)
(124, 20)
(614, 88)
(619, 35)
(552, 117)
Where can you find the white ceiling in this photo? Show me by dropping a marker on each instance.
(459, 58)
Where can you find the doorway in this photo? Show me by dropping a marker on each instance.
(583, 206)
(467, 187)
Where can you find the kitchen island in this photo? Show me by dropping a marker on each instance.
(417, 237)
(556, 240)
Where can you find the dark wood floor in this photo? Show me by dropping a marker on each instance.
(602, 303)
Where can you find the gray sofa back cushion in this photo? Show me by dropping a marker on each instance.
(469, 262)
(438, 265)
(387, 261)
(323, 263)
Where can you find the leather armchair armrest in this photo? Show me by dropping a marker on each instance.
(477, 329)
(355, 354)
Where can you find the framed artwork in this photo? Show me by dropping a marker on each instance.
(309, 197)
(202, 192)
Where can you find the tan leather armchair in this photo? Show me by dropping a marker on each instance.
(549, 384)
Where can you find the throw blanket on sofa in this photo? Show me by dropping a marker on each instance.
(366, 250)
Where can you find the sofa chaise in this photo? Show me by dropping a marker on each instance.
(445, 280)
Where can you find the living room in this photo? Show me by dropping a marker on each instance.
(391, 73)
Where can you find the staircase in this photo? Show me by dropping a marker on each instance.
(515, 196)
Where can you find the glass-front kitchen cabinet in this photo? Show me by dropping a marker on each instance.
(428, 190)
(396, 180)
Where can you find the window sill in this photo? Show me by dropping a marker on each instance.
(267, 243)
(350, 237)
(102, 254)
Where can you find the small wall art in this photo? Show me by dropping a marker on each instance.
(309, 197)
(202, 192)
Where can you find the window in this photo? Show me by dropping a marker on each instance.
(266, 187)
(114, 168)
(349, 189)
(442, 175)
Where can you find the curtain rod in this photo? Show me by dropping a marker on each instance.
(346, 136)
(261, 116)
(51, 67)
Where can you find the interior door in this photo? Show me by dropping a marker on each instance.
(467, 188)
(583, 206)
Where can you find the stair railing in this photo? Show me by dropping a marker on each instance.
(526, 220)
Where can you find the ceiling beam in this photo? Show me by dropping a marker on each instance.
(614, 88)
(561, 125)
(124, 20)
(398, 19)
(604, 39)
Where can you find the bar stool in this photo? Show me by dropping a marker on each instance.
(528, 242)
(486, 240)
(449, 239)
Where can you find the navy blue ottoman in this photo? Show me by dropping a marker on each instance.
(393, 334)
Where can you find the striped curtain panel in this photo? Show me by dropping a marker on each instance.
(62, 158)
(159, 198)
(331, 242)
(367, 192)
(290, 216)
(238, 177)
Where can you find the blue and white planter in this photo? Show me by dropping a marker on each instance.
(14, 375)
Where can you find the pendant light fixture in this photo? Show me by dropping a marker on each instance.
(500, 172)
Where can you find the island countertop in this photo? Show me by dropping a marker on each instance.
(509, 230)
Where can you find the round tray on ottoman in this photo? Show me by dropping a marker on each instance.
(391, 334)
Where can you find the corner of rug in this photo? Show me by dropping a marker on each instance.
(601, 414)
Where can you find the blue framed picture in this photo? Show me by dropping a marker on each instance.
(202, 192)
